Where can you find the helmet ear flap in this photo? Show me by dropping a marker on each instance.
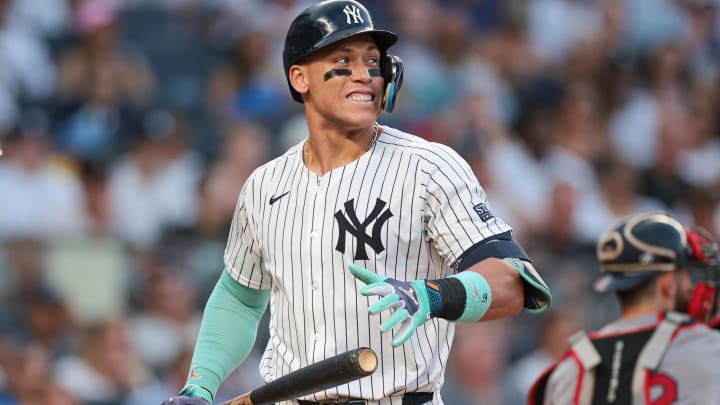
(392, 71)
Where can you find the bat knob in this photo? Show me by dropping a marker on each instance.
(367, 359)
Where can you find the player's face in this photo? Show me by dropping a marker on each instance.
(344, 82)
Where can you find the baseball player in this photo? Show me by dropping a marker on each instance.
(358, 230)
(656, 353)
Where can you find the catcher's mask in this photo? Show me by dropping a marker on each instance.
(331, 21)
(646, 245)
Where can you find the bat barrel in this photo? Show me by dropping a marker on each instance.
(331, 372)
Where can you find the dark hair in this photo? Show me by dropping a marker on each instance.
(639, 293)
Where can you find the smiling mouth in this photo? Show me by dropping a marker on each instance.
(361, 97)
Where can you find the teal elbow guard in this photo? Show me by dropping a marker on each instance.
(537, 296)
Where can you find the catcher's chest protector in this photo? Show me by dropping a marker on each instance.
(616, 369)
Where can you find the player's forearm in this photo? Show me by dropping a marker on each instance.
(505, 285)
(227, 333)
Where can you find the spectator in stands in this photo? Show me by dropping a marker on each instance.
(27, 378)
(100, 85)
(105, 368)
(244, 88)
(48, 321)
(167, 322)
(246, 146)
(153, 188)
(41, 196)
(27, 71)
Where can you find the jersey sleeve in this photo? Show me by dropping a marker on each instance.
(243, 253)
(457, 209)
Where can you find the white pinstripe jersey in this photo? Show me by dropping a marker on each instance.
(408, 208)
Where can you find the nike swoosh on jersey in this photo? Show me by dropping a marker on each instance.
(274, 198)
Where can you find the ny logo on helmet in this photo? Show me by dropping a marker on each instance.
(354, 12)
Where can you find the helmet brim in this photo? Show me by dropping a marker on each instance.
(613, 282)
(383, 39)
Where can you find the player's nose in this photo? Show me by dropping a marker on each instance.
(361, 73)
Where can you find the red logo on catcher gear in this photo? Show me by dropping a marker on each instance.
(667, 384)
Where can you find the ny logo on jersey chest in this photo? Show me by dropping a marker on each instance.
(348, 222)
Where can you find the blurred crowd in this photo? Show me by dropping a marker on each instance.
(128, 127)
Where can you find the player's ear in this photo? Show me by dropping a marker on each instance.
(298, 78)
(666, 286)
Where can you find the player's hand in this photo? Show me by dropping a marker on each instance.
(408, 301)
(190, 395)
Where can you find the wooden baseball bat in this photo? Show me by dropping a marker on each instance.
(331, 372)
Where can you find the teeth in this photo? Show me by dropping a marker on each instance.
(360, 97)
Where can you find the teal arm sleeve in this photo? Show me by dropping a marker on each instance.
(227, 334)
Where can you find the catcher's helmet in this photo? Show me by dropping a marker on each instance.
(639, 248)
(331, 21)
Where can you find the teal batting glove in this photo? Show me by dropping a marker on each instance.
(408, 301)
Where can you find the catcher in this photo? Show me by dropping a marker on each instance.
(660, 351)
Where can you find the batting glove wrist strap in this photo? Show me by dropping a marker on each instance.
(447, 298)
(477, 296)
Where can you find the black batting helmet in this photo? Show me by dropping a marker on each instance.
(639, 248)
(328, 22)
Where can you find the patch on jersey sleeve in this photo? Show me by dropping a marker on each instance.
(483, 212)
